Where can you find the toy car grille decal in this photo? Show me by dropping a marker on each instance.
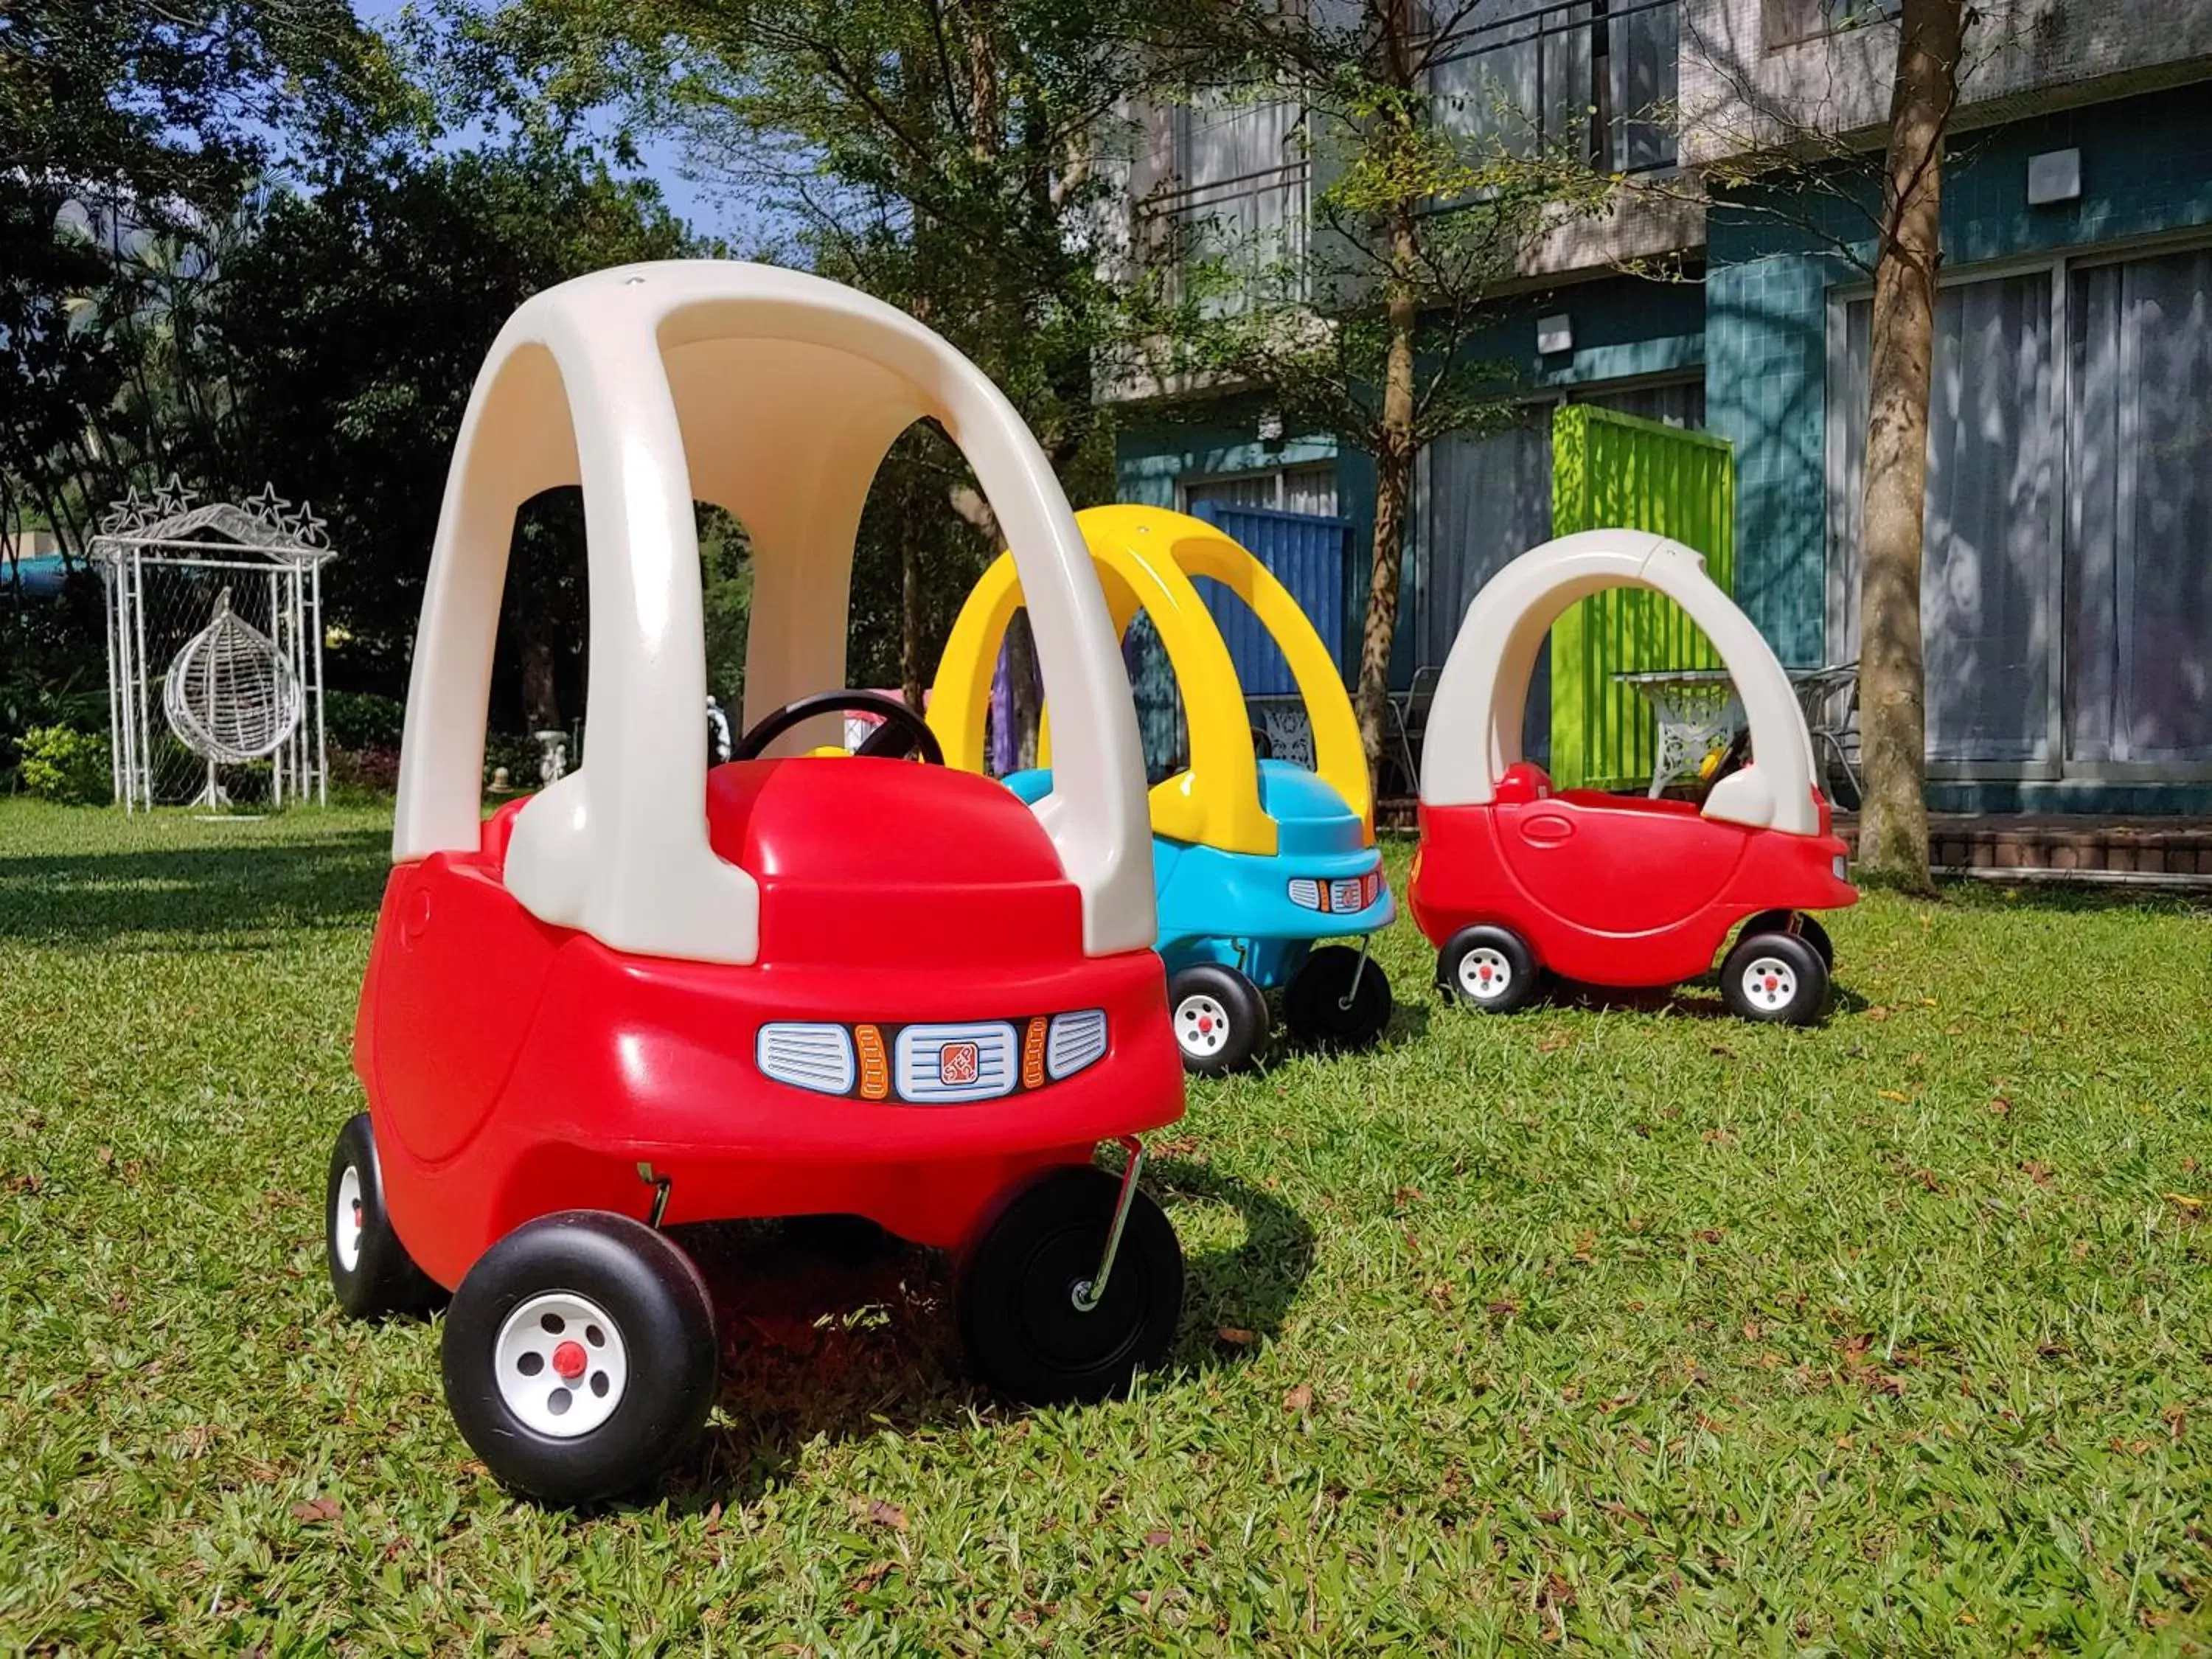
(1075, 1041)
(934, 1064)
(817, 1057)
(957, 1062)
(1341, 897)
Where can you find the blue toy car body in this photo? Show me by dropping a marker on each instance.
(1260, 915)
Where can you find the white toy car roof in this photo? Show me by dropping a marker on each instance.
(774, 395)
(1474, 723)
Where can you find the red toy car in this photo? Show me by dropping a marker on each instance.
(796, 985)
(1512, 880)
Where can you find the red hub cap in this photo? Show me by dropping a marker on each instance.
(569, 1361)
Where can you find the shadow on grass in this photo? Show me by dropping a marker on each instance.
(840, 1341)
(210, 890)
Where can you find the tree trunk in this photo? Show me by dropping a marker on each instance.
(1892, 693)
(541, 703)
(910, 597)
(1393, 478)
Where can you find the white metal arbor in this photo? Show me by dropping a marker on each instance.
(215, 646)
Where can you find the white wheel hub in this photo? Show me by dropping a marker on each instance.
(1201, 1025)
(1770, 983)
(346, 1221)
(560, 1364)
(1485, 973)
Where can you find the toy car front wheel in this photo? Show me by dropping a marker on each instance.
(1339, 999)
(371, 1272)
(1023, 1282)
(581, 1356)
(1806, 928)
(1777, 978)
(1491, 968)
(1220, 1018)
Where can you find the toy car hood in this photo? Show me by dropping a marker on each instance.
(774, 395)
(1474, 723)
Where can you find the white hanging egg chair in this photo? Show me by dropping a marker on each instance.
(229, 695)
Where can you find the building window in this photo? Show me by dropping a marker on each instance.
(1237, 194)
(1305, 489)
(1790, 22)
(1597, 77)
(2066, 602)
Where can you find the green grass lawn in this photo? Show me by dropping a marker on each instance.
(1632, 1327)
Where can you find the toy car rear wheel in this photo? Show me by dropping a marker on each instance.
(371, 1272)
(581, 1356)
(1490, 969)
(1021, 1282)
(1806, 928)
(1339, 999)
(1779, 979)
(1220, 1018)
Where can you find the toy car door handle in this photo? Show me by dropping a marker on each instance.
(1546, 830)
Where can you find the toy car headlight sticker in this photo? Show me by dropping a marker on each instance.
(806, 1056)
(1843, 868)
(1076, 1041)
(955, 1063)
(1345, 894)
(1305, 892)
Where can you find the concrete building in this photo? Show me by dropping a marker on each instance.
(2067, 597)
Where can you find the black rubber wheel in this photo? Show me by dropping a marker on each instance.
(579, 1356)
(1490, 969)
(1777, 979)
(1220, 1019)
(1325, 1009)
(1017, 1285)
(371, 1272)
(1806, 928)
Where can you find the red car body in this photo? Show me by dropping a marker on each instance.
(1612, 889)
(515, 1069)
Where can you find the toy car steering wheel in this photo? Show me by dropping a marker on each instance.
(904, 732)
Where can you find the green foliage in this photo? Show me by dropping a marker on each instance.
(1615, 1330)
(359, 316)
(61, 764)
(363, 720)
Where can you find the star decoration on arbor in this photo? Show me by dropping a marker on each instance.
(126, 514)
(171, 500)
(304, 527)
(268, 507)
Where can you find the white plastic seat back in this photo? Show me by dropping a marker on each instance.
(1474, 723)
(774, 395)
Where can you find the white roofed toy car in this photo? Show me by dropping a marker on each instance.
(794, 984)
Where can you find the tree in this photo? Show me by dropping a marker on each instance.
(1892, 692)
(130, 132)
(1427, 209)
(941, 154)
(353, 321)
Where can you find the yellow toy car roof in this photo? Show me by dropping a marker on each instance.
(1146, 558)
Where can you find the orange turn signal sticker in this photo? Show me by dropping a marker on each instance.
(875, 1072)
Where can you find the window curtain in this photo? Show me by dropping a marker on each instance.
(1520, 80)
(1241, 188)
(2139, 570)
(1674, 403)
(1643, 50)
(1988, 593)
(1478, 503)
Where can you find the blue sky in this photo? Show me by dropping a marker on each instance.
(663, 162)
